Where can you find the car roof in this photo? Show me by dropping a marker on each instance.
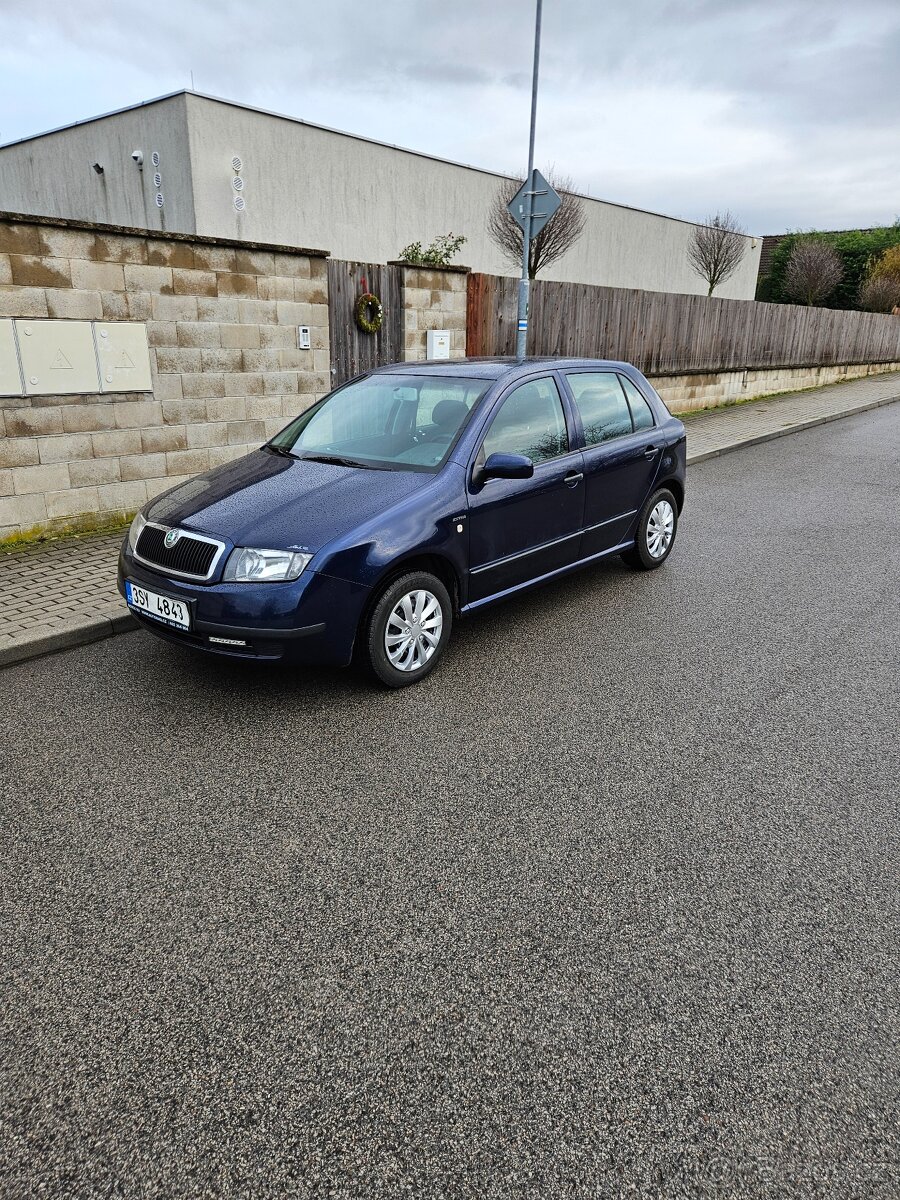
(493, 368)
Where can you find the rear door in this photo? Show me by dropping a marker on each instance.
(520, 529)
(622, 451)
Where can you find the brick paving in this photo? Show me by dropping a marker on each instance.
(60, 593)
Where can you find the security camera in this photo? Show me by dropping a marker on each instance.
(138, 157)
(97, 168)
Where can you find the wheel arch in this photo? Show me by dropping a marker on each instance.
(434, 564)
(676, 487)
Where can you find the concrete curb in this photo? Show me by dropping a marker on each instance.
(794, 428)
(79, 633)
(72, 633)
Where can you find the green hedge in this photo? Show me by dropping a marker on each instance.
(856, 248)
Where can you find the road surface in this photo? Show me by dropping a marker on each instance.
(606, 907)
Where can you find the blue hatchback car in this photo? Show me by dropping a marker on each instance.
(404, 499)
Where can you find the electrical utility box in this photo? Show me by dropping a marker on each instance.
(10, 375)
(123, 356)
(58, 357)
(437, 343)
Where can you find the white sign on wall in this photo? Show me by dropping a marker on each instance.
(10, 375)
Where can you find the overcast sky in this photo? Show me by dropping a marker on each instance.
(786, 112)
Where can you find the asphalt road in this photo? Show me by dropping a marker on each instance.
(607, 907)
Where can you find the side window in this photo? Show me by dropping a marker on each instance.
(641, 413)
(530, 422)
(602, 404)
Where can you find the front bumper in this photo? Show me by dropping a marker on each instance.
(312, 619)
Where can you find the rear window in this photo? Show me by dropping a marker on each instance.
(601, 402)
(641, 412)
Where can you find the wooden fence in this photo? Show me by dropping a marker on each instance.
(666, 333)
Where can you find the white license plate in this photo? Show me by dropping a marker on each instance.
(163, 608)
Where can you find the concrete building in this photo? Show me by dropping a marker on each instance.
(190, 163)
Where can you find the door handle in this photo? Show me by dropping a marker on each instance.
(573, 479)
(651, 452)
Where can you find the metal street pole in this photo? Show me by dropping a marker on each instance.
(522, 324)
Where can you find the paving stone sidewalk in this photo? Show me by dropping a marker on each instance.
(59, 594)
(62, 593)
(719, 430)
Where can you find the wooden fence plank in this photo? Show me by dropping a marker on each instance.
(667, 333)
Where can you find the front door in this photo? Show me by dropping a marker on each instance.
(622, 452)
(520, 529)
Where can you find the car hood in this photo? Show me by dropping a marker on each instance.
(270, 501)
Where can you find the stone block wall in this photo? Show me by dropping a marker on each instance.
(221, 320)
(688, 393)
(433, 298)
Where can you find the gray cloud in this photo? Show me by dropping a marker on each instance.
(784, 111)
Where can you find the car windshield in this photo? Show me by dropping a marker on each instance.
(394, 422)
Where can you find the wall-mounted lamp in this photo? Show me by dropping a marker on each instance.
(97, 168)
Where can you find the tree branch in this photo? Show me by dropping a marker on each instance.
(557, 237)
(716, 249)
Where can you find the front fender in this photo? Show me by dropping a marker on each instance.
(432, 521)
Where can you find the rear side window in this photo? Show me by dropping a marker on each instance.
(530, 422)
(602, 405)
(641, 413)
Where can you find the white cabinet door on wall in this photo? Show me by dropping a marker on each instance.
(10, 375)
(58, 357)
(124, 357)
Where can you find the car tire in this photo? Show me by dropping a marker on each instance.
(408, 629)
(657, 526)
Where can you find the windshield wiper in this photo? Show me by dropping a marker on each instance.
(280, 450)
(338, 459)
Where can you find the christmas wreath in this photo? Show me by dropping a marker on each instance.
(369, 313)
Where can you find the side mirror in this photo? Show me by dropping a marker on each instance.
(507, 466)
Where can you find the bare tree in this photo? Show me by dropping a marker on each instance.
(813, 271)
(560, 233)
(716, 249)
(880, 293)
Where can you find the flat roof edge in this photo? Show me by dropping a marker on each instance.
(115, 112)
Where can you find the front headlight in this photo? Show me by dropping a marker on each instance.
(135, 531)
(247, 565)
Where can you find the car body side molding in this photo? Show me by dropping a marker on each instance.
(566, 570)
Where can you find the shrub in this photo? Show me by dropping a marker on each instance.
(438, 254)
(880, 293)
(857, 248)
(888, 263)
(813, 271)
(880, 290)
